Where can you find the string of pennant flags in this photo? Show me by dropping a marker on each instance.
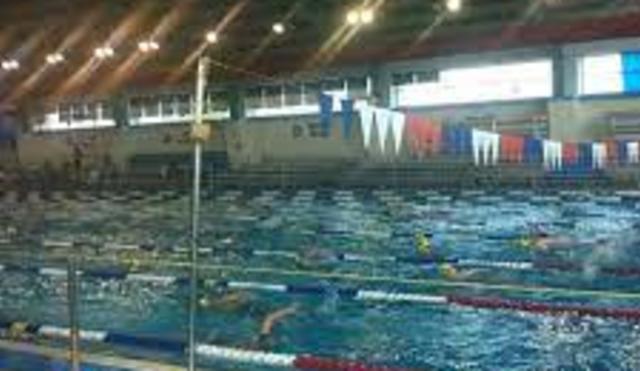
(424, 137)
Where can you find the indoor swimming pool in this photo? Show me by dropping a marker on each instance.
(402, 279)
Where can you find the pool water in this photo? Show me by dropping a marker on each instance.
(310, 229)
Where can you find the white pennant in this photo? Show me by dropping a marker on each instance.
(383, 119)
(397, 127)
(599, 155)
(633, 152)
(366, 123)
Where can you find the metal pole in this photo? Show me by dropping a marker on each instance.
(72, 296)
(201, 81)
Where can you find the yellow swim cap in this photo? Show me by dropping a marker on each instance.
(423, 244)
(525, 243)
(447, 271)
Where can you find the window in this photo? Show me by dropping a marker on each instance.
(609, 73)
(293, 95)
(65, 113)
(302, 98)
(502, 82)
(151, 106)
(184, 104)
(358, 87)
(216, 102)
(79, 115)
(311, 93)
(168, 106)
(135, 108)
(272, 97)
(106, 111)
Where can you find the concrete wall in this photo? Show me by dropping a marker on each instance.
(120, 145)
(577, 120)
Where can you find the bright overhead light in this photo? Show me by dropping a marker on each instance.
(360, 16)
(55, 58)
(278, 28)
(353, 17)
(454, 6)
(10, 65)
(367, 16)
(211, 37)
(104, 52)
(148, 46)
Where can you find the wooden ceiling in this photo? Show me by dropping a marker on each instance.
(316, 36)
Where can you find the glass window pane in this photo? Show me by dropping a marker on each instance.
(151, 106)
(135, 108)
(499, 83)
(77, 112)
(65, 113)
(168, 105)
(184, 104)
(107, 111)
(311, 92)
(273, 96)
(333, 85)
(217, 102)
(357, 87)
(601, 74)
(293, 95)
(253, 98)
(91, 111)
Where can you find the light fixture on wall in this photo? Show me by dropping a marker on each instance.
(454, 6)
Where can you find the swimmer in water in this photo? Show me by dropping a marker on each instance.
(241, 301)
(263, 340)
(423, 243)
(540, 240)
(314, 257)
(449, 272)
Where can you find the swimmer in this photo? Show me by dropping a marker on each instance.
(263, 340)
(423, 243)
(232, 301)
(449, 272)
(540, 240)
(242, 302)
(313, 257)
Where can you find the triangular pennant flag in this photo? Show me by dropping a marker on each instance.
(633, 152)
(347, 117)
(397, 127)
(366, 123)
(326, 113)
(383, 119)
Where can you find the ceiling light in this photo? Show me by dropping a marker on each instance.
(454, 6)
(366, 16)
(55, 58)
(104, 52)
(211, 37)
(278, 28)
(148, 46)
(10, 65)
(353, 17)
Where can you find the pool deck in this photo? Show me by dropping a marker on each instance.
(94, 359)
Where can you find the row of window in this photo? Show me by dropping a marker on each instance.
(610, 74)
(597, 74)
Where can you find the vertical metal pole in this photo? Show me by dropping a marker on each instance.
(201, 81)
(72, 297)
